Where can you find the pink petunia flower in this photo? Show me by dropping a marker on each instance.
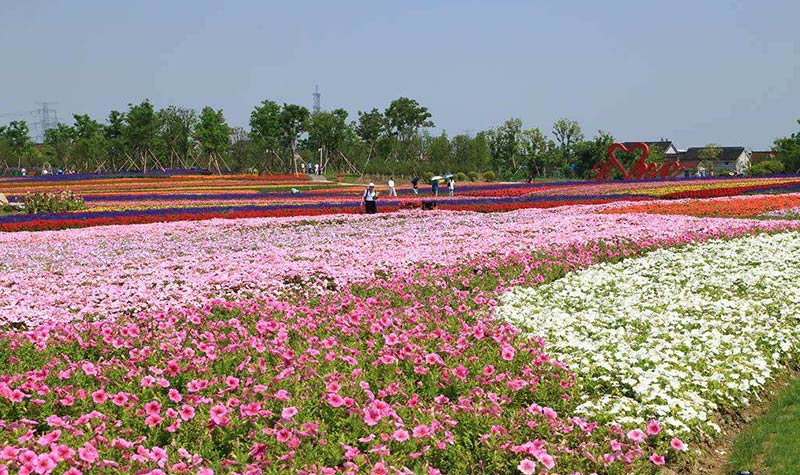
(677, 444)
(527, 466)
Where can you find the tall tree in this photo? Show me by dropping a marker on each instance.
(141, 131)
(17, 136)
(567, 134)
(504, 146)
(589, 152)
(59, 142)
(371, 127)
(114, 134)
(213, 136)
(176, 127)
(293, 119)
(404, 118)
(90, 149)
(533, 144)
(266, 131)
(327, 133)
(787, 151)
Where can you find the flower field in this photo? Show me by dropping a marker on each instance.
(185, 197)
(570, 334)
(676, 334)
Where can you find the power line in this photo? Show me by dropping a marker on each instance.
(46, 119)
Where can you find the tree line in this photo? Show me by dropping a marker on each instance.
(283, 137)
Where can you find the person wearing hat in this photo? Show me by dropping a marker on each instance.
(369, 198)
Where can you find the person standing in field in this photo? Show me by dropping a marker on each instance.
(368, 200)
(392, 190)
(451, 186)
(435, 188)
(415, 185)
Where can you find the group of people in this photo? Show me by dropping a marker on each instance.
(313, 168)
(370, 196)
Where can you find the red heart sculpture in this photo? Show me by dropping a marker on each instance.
(639, 169)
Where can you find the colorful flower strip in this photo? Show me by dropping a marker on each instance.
(743, 206)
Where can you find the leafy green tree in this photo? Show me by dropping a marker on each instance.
(115, 137)
(567, 134)
(404, 118)
(266, 131)
(589, 152)
(533, 144)
(141, 131)
(176, 126)
(708, 155)
(59, 142)
(212, 134)
(293, 120)
(371, 127)
(328, 132)
(438, 151)
(504, 146)
(90, 148)
(17, 138)
(787, 150)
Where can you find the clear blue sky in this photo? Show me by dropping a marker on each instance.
(692, 71)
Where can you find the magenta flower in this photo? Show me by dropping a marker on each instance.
(186, 412)
(677, 444)
(653, 427)
(219, 414)
(656, 459)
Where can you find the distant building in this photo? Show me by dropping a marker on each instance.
(730, 160)
(666, 147)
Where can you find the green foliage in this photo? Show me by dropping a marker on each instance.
(587, 153)
(489, 176)
(141, 129)
(460, 176)
(328, 131)
(567, 134)
(292, 120)
(504, 146)
(405, 117)
(52, 202)
(473, 175)
(771, 443)
(787, 149)
(769, 167)
(212, 133)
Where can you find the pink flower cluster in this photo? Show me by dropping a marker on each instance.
(407, 373)
(111, 271)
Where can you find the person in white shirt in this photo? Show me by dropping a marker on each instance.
(369, 198)
(392, 190)
(451, 186)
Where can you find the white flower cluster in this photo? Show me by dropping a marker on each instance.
(676, 334)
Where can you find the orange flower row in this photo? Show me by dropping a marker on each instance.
(734, 207)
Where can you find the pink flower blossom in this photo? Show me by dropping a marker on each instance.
(527, 466)
(677, 444)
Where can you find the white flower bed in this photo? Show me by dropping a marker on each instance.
(675, 334)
